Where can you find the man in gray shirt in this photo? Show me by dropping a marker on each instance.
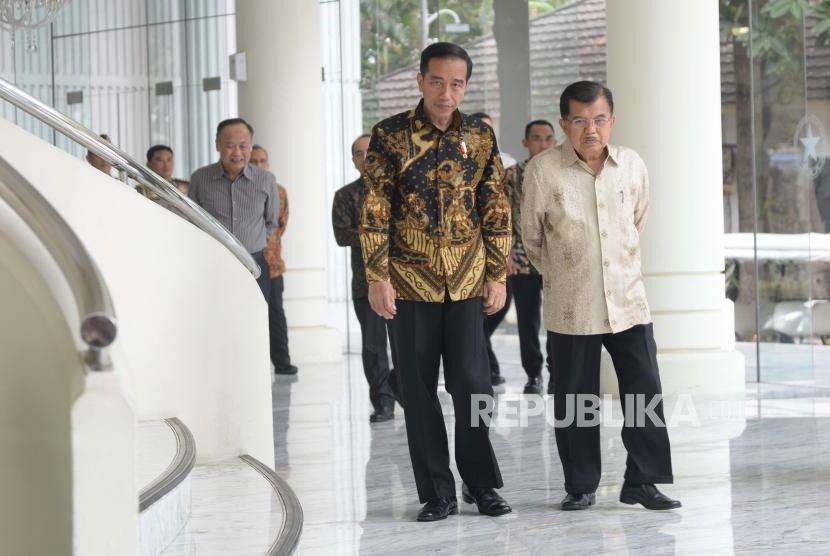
(240, 196)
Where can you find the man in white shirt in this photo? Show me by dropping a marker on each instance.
(584, 207)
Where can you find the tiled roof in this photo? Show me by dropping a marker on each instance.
(555, 62)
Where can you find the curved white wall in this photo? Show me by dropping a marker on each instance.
(68, 457)
(193, 327)
(40, 376)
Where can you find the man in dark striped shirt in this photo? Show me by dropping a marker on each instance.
(240, 196)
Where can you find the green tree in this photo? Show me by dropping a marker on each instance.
(541, 7)
(390, 32)
(768, 40)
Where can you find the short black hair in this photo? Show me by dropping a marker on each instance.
(151, 152)
(530, 125)
(358, 139)
(444, 50)
(260, 147)
(584, 91)
(233, 121)
(481, 115)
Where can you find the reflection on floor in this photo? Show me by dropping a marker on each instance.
(752, 475)
(806, 366)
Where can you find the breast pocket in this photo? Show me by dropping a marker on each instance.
(625, 204)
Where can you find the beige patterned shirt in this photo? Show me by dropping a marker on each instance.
(581, 229)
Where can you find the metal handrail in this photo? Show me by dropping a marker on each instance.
(98, 324)
(166, 194)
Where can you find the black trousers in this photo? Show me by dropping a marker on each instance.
(373, 352)
(263, 281)
(278, 327)
(424, 334)
(491, 322)
(527, 295)
(577, 362)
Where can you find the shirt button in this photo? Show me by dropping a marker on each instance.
(601, 205)
(606, 263)
(604, 234)
(607, 323)
(607, 292)
(613, 322)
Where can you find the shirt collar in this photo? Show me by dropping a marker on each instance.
(569, 156)
(419, 119)
(614, 154)
(219, 171)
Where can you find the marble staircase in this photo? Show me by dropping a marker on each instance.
(232, 506)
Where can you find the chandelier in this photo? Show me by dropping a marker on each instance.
(28, 15)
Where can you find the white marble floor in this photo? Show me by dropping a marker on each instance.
(234, 511)
(753, 476)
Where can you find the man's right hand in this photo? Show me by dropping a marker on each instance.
(382, 299)
(511, 264)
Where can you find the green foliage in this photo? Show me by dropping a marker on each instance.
(774, 25)
(541, 7)
(390, 31)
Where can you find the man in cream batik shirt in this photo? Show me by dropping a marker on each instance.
(584, 209)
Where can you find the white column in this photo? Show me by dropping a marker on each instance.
(343, 122)
(664, 71)
(282, 100)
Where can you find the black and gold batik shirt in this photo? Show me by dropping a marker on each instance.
(513, 184)
(435, 218)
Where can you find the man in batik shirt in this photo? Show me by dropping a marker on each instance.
(345, 220)
(277, 325)
(584, 208)
(435, 234)
(524, 281)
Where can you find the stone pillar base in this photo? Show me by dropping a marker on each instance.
(314, 344)
(710, 374)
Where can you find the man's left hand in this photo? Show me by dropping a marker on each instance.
(495, 294)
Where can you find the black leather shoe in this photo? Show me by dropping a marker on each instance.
(486, 499)
(287, 370)
(579, 501)
(648, 496)
(383, 413)
(534, 385)
(438, 509)
(495, 380)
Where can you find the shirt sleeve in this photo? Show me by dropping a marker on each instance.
(282, 221)
(641, 206)
(533, 215)
(193, 190)
(343, 221)
(514, 189)
(493, 207)
(376, 211)
(272, 204)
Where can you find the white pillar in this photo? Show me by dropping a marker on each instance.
(343, 122)
(664, 71)
(282, 100)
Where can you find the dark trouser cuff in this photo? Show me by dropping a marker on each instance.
(637, 479)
